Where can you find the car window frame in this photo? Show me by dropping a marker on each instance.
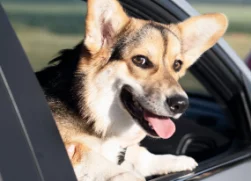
(33, 148)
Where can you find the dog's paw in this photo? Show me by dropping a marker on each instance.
(126, 176)
(183, 163)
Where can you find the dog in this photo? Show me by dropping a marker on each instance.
(119, 85)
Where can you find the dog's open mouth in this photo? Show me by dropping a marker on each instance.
(154, 125)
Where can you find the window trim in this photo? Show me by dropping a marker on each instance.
(35, 150)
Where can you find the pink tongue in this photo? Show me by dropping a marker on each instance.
(164, 127)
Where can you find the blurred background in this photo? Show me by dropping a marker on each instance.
(239, 15)
(46, 26)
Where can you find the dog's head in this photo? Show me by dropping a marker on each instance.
(133, 66)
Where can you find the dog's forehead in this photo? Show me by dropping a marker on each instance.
(158, 41)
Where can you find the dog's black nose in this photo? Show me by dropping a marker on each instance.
(177, 104)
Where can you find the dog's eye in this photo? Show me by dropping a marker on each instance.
(177, 65)
(142, 61)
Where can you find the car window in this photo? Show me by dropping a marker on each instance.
(239, 13)
(46, 26)
(192, 85)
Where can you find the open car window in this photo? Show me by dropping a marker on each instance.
(44, 28)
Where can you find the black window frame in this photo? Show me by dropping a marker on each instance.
(31, 147)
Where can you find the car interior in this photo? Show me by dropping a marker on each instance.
(208, 128)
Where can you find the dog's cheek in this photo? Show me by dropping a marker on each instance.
(105, 77)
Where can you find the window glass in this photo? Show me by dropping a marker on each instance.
(239, 13)
(46, 26)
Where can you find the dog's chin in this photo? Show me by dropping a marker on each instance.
(138, 112)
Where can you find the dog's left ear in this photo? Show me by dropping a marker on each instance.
(200, 33)
(105, 19)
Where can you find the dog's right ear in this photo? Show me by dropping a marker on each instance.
(105, 19)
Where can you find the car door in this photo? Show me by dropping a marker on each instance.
(31, 148)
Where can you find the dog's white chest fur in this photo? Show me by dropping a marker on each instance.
(131, 137)
(111, 147)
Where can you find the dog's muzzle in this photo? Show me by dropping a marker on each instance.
(154, 116)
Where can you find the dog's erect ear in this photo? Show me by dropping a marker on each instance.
(200, 33)
(105, 19)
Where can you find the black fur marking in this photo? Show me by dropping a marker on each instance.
(134, 38)
(121, 156)
(62, 86)
(58, 81)
(117, 50)
(128, 39)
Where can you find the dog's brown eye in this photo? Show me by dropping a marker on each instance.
(177, 65)
(142, 61)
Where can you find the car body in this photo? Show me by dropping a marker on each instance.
(248, 60)
(216, 129)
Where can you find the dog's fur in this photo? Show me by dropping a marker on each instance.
(84, 88)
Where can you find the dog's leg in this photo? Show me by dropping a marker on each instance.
(91, 166)
(148, 164)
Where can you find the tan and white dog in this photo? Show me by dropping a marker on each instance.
(121, 84)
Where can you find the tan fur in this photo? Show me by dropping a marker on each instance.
(113, 128)
(78, 154)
